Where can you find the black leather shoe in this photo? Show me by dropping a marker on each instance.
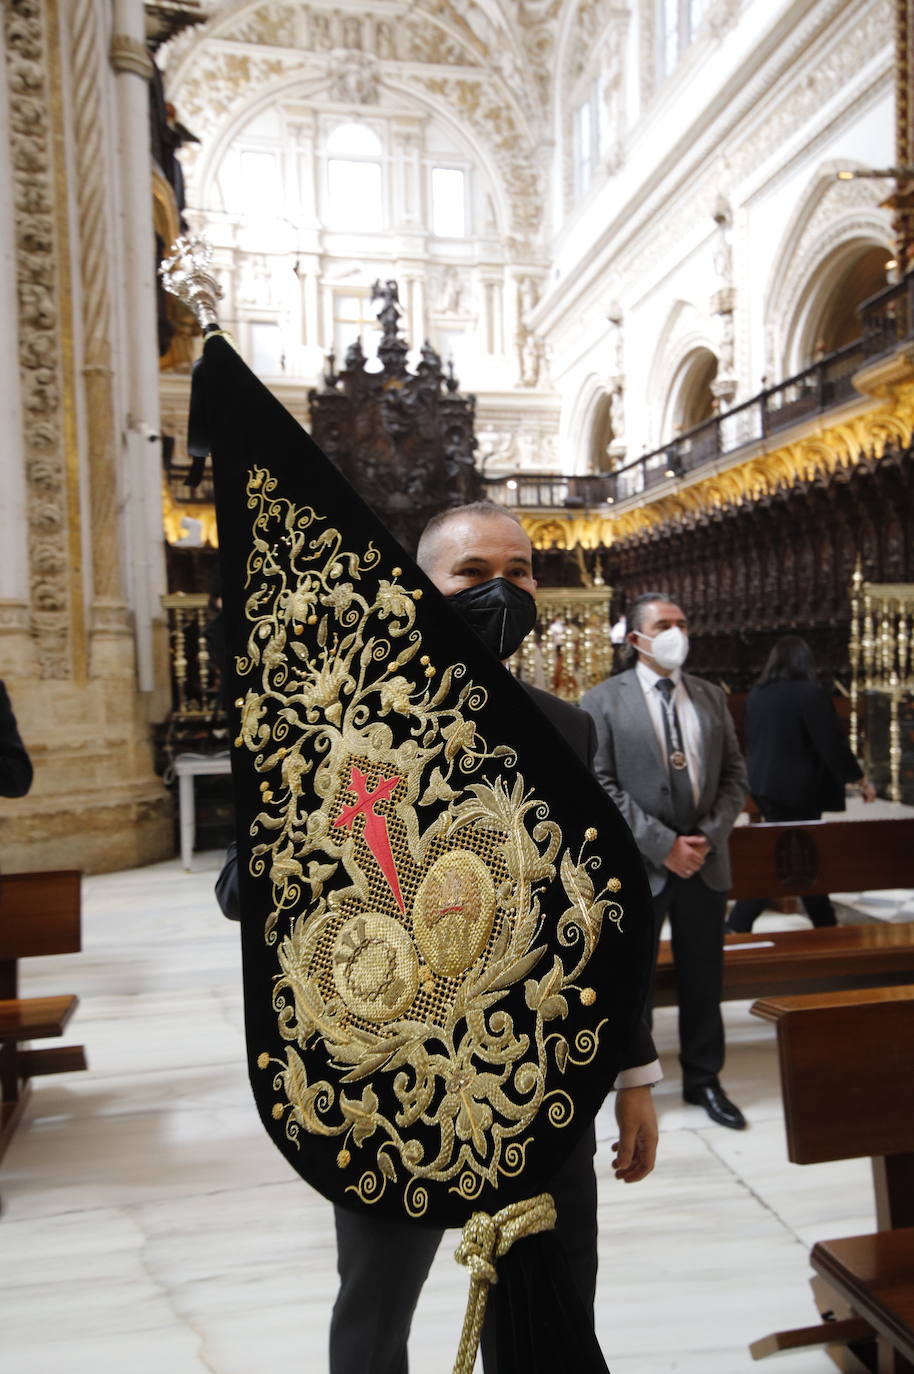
(717, 1104)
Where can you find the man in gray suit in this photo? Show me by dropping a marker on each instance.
(668, 757)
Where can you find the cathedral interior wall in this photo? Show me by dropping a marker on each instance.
(591, 321)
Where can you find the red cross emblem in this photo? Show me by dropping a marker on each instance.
(376, 836)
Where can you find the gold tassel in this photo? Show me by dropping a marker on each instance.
(484, 1241)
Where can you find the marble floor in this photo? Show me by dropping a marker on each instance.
(149, 1225)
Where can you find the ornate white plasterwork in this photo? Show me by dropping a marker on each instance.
(832, 213)
(591, 62)
(477, 105)
(491, 96)
(653, 241)
(517, 447)
(26, 53)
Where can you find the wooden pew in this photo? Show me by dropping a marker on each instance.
(793, 858)
(787, 961)
(782, 859)
(39, 914)
(847, 1076)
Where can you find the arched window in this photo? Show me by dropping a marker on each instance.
(834, 320)
(680, 21)
(449, 202)
(585, 138)
(693, 399)
(355, 182)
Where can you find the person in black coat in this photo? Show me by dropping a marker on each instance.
(15, 764)
(798, 758)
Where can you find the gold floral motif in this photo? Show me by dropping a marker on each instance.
(406, 895)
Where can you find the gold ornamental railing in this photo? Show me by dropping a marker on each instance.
(882, 657)
(570, 649)
(194, 676)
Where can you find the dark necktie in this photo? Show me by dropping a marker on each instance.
(683, 802)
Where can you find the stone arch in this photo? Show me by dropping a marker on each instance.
(691, 400)
(578, 423)
(684, 349)
(836, 225)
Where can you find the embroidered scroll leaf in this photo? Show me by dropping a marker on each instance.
(405, 878)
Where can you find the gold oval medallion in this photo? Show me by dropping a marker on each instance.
(454, 911)
(375, 967)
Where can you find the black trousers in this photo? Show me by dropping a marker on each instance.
(819, 907)
(382, 1266)
(696, 915)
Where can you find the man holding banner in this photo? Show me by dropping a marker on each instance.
(446, 926)
(480, 558)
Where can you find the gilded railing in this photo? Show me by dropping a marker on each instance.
(570, 649)
(882, 657)
(194, 676)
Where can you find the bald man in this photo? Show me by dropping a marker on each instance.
(480, 557)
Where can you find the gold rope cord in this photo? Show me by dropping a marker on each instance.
(486, 1240)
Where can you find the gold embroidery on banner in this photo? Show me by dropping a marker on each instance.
(396, 942)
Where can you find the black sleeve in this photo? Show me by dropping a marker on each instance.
(827, 736)
(591, 746)
(15, 764)
(227, 892)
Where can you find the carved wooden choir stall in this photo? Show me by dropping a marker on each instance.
(404, 439)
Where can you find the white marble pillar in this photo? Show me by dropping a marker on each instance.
(325, 325)
(418, 329)
(304, 130)
(142, 462)
(14, 565)
(489, 296)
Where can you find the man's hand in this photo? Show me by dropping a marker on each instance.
(636, 1148)
(867, 790)
(687, 855)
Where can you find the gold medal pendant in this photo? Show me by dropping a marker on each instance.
(679, 760)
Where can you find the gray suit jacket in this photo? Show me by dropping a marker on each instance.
(629, 764)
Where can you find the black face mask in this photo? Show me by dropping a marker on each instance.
(501, 613)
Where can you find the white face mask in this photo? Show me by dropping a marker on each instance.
(669, 649)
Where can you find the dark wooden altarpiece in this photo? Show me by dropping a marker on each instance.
(403, 439)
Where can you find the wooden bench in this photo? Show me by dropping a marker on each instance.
(39, 914)
(847, 1077)
(781, 859)
(875, 1276)
(787, 961)
(793, 858)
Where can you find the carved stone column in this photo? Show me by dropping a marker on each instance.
(110, 632)
(723, 305)
(55, 603)
(95, 802)
(15, 642)
(133, 67)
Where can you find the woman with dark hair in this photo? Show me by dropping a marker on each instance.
(798, 758)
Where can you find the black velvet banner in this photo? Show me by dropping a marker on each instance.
(446, 928)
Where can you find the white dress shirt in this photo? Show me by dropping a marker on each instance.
(689, 725)
(643, 1075)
